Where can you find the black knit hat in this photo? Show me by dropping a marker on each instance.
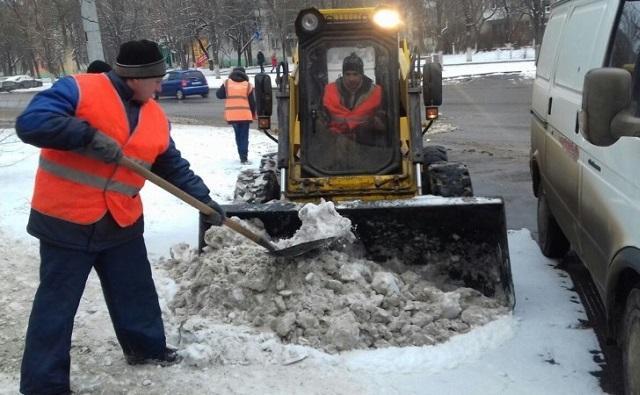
(140, 59)
(352, 63)
(98, 66)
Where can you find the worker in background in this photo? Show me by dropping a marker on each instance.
(87, 212)
(98, 66)
(239, 108)
(261, 61)
(352, 102)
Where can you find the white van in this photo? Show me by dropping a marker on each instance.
(585, 154)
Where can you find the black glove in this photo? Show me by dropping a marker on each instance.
(217, 217)
(104, 148)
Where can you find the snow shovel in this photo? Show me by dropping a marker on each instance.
(292, 251)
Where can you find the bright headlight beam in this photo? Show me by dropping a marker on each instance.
(386, 18)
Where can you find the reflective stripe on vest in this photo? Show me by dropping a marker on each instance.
(344, 120)
(236, 105)
(77, 188)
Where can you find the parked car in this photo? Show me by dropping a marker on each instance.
(585, 155)
(24, 81)
(183, 83)
(7, 86)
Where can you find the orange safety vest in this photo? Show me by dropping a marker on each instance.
(344, 120)
(79, 189)
(236, 105)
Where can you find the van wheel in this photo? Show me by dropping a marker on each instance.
(630, 337)
(448, 179)
(179, 95)
(552, 241)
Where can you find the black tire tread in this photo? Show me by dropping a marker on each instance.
(449, 179)
(630, 337)
(552, 241)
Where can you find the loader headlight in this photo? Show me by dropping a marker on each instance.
(387, 18)
(309, 21)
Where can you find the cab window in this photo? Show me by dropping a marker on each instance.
(349, 125)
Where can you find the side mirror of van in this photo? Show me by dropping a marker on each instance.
(264, 100)
(607, 112)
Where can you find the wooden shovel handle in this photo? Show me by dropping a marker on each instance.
(192, 201)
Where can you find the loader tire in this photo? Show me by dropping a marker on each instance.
(269, 162)
(552, 241)
(431, 154)
(448, 179)
(434, 154)
(630, 343)
(255, 186)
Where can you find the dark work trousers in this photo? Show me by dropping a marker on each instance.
(130, 295)
(242, 138)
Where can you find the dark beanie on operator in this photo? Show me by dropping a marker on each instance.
(352, 63)
(140, 59)
(98, 66)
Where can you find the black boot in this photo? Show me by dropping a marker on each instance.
(170, 357)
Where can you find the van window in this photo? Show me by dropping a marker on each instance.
(626, 43)
(549, 45)
(577, 43)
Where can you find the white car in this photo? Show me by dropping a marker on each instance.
(24, 81)
(585, 155)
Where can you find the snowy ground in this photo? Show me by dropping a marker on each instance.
(540, 348)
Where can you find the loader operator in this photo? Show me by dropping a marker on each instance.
(87, 212)
(353, 101)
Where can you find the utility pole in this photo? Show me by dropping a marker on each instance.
(91, 30)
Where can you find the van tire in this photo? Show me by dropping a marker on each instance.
(447, 179)
(552, 241)
(179, 95)
(630, 342)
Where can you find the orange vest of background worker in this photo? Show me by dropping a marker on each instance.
(236, 105)
(353, 99)
(100, 186)
(239, 108)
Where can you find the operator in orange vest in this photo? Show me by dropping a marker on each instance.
(352, 102)
(239, 108)
(87, 212)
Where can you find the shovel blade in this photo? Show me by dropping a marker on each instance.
(302, 248)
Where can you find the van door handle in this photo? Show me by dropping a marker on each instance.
(594, 165)
(549, 108)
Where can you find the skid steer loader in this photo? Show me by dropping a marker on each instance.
(405, 201)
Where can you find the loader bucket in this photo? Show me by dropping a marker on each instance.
(462, 238)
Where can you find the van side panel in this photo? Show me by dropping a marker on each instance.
(578, 38)
(540, 98)
(610, 190)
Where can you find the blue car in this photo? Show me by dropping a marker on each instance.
(182, 83)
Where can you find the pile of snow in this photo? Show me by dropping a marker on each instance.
(331, 301)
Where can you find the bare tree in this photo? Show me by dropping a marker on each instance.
(535, 9)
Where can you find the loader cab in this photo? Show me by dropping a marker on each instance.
(348, 96)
